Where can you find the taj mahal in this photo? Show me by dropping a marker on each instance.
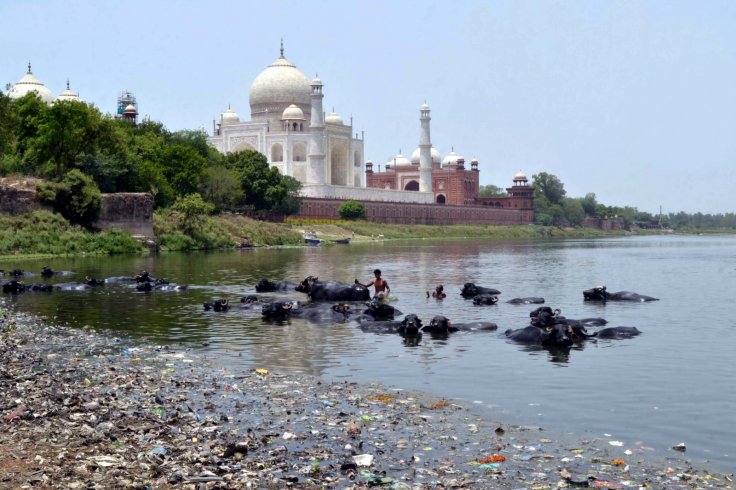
(289, 126)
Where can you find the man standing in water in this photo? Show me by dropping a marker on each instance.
(382, 288)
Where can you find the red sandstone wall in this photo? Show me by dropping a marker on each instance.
(406, 213)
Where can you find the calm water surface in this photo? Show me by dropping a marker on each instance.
(674, 383)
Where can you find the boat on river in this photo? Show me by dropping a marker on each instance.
(310, 238)
(342, 241)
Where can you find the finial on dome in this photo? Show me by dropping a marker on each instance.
(67, 84)
(29, 68)
(282, 47)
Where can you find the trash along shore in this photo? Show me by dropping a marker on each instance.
(82, 409)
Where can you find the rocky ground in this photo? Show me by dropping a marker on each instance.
(83, 410)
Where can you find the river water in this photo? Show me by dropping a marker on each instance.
(672, 384)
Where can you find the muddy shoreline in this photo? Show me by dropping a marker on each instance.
(84, 409)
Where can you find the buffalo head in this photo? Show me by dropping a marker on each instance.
(277, 310)
(306, 285)
(410, 326)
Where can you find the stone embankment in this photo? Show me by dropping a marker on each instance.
(81, 409)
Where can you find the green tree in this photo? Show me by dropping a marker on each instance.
(264, 186)
(491, 190)
(351, 210)
(183, 167)
(8, 121)
(76, 197)
(589, 204)
(292, 202)
(573, 211)
(192, 209)
(221, 187)
(69, 130)
(549, 186)
(30, 112)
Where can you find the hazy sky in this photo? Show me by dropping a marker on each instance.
(633, 100)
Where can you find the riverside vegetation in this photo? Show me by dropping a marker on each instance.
(45, 233)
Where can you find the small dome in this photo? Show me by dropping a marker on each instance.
(292, 113)
(28, 84)
(316, 81)
(68, 94)
(436, 157)
(333, 118)
(451, 159)
(399, 160)
(424, 107)
(229, 116)
(130, 109)
(520, 177)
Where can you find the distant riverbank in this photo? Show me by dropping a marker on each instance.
(47, 234)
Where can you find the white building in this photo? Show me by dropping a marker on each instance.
(288, 125)
(29, 83)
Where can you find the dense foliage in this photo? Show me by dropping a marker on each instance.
(351, 210)
(49, 141)
(77, 198)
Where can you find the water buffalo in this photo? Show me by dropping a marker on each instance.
(526, 301)
(278, 310)
(410, 326)
(440, 325)
(333, 290)
(16, 287)
(617, 333)
(544, 316)
(322, 312)
(379, 310)
(217, 305)
(13, 287)
(268, 286)
(599, 293)
(470, 290)
(554, 336)
(485, 299)
(91, 281)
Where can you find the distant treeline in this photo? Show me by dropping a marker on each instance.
(552, 207)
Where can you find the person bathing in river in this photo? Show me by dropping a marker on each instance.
(382, 288)
(439, 292)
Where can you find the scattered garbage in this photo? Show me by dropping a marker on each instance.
(82, 409)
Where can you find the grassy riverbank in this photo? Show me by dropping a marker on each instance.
(41, 233)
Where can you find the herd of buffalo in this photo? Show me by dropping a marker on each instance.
(334, 301)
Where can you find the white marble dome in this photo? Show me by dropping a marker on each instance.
(436, 157)
(451, 159)
(278, 86)
(68, 94)
(333, 118)
(399, 160)
(229, 116)
(30, 83)
(520, 177)
(292, 113)
(130, 109)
